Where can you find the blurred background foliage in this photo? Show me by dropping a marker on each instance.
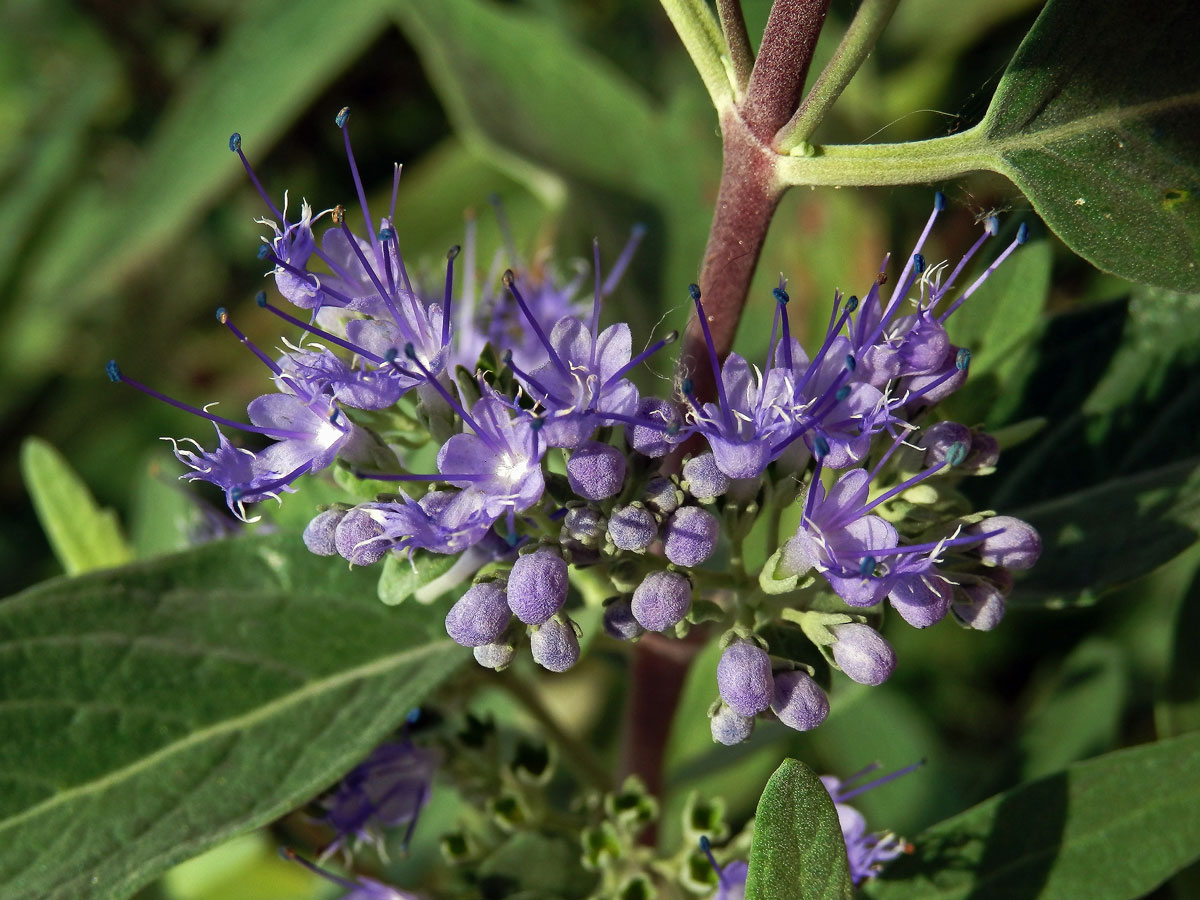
(126, 223)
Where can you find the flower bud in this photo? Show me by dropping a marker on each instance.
(661, 496)
(319, 534)
(584, 525)
(480, 615)
(359, 538)
(979, 606)
(703, 479)
(985, 451)
(729, 728)
(555, 645)
(537, 586)
(650, 439)
(619, 622)
(799, 701)
(632, 527)
(1017, 546)
(596, 471)
(662, 600)
(494, 656)
(744, 678)
(862, 653)
(939, 438)
(690, 536)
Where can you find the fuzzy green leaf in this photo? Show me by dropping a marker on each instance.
(797, 850)
(84, 536)
(149, 712)
(1110, 828)
(1101, 133)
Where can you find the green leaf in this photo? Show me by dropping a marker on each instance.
(150, 712)
(1097, 120)
(1080, 714)
(1110, 828)
(268, 66)
(84, 536)
(1178, 710)
(1086, 533)
(401, 576)
(797, 850)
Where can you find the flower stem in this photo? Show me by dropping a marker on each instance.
(860, 37)
(733, 26)
(575, 752)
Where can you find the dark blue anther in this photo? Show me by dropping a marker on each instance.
(851, 303)
(453, 252)
(114, 373)
(694, 290)
(956, 453)
(235, 142)
(386, 234)
(1022, 233)
(962, 359)
(264, 251)
(410, 351)
(851, 362)
(867, 567)
(820, 447)
(781, 296)
(222, 316)
(842, 393)
(537, 424)
(342, 116)
(939, 201)
(261, 298)
(687, 387)
(918, 263)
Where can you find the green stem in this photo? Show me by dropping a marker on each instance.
(575, 752)
(733, 26)
(701, 36)
(862, 165)
(860, 37)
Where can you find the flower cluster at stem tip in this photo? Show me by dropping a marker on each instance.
(558, 482)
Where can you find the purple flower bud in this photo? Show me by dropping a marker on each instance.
(729, 728)
(938, 439)
(744, 678)
(319, 533)
(690, 536)
(703, 479)
(596, 471)
(555, 645)
(662, 600)
(654, 439)
(661, 496)
(979, 606)
(494, 656)
(537, 586)
(632, 527)
(480, 615)
(359, 538)
(985, 451)
(799, 701)
(585, 525)
(862, 653)
(619, 622)
(1017, 546)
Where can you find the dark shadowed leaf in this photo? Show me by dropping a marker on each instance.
(1097, 120)
(149, 712)
(1178, 709)
(797, 850)
(1110, 828)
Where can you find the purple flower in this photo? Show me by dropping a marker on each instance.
(744, 678)
(386, 790)
(866, 851)
(862, 653)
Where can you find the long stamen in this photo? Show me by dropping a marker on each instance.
(510, 282)
(343, 122)
(814, 483)
(442, 476)
(961, 364)
(223, 318)
(116, 375)
(637, 360)
(239, 492)
(871, 303)
(781, 300)
(991, 226)
(339, 218)
(506, 235)
(262, 301)
(235, 144)
(595, 300)
(451, 254)
(411, 353)
(954, 455)
(622, 263)
(529, 379)
(396, 168)
(910, 549)
(706, 846)
(916, 262)
(694, 290)
(830, 337)
(1021, 238)
(289, 854)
